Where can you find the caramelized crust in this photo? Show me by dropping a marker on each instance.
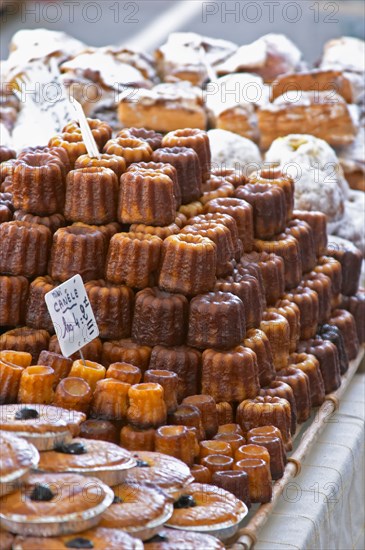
(25, 339)
(37, 315)
(13, 296)
(53, 222)
(195, 139)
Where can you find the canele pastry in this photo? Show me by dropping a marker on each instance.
(184, 540)
(13, 296)
(100, 538)
(178, 441)
(53, 221)
(58, 153)
(318, 222)
(308, 303)
(215, 188)
(269, 207)
(125, 372)
(126, 351)
(164, 108)
(235, 482)
(350, 259)
(257, 340)
(184, 361)
(345, 321)
(160, 318)
(332, 268)
(115, 163)
(130, 148)
(27, 339)
(287, 113)
(323, 287)
(251, 450)
(217, 320)
(169, 381)
(299, 382)
(274, 176)
(333, 334)
(230, 429)
(310, 366)
(153, 138)
(56, 503)
(272, 268)
(356, 306)
(221, 236)
(191, 209)
(291, 312)
(201, 474)
(73, 393)
(146, 197)
(230, 376)
(129, 511)
(88, 457)
(147, 408)
(133, 259)
(235, 440)
(195, 139)
(21, 359)
(166, 472)
(17, 458)
(90, 371)
(207, 408)
(161, 168)
(113, 308)
(224, 412)
(159, 231)
(189, 416)
(25, 248)
(217, 463)
(242, 213)
(327, 355)
(277, 329)
(137, 439)
(100, 130)
(198, 255)
(72, 142)
(36, 385)
(108, 230)
(281, 389)
(287, 247)
(77, 249)
(303, 233)
(10, 375)
(38, 184)
(110, 400)
(91, 195)
(259, 478)
(91, 351)
(223, 219)
(41, 425)
(262, 411)
(37, 315)
(274, 445)
(189, 175)
(205, 506)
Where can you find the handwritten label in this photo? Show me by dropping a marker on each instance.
(87, 136)
(72, 315)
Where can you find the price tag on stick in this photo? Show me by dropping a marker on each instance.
(72, 316)
(87, 135)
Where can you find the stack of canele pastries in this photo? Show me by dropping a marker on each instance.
(223, 317)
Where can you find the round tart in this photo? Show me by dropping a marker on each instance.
(139, 510)
(89, 457)
(17, 457)
(98, 538)
(42, 425)
(207, 508)
(170, 539)
(55, 504)
(166, 472)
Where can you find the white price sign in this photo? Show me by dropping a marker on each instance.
(72, 316)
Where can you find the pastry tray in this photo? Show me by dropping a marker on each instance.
(304, 439)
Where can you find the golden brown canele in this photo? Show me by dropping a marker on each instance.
(27, 339)
(277, 329)
(189, 416)
(53, 221)
(201, 474)
(77, 250)
(10, 375)
(91, 351)
(332, 268)
(108, 230)
(241, 211)
(160, 318)
(345, 322)
(281, 389)
(307, 301)
(133, 259)
(234, 481)
(169, 381)
(303, 233)
(333, 334)
(153, 138)
(262, 411)
(215, 188)
(257, 340)
(117, 164)
(318, 222)
(223, 219)
(126, 351)
(187, 165)
(99, 429)
(216, 320)
(113, 308)
(287, 247)
(188, 264)
(230, 375)
(61, 365)
(91, 195)
(272, 268)
(269, 207)
(291, 312)
(208, 410)
(322, 285)
(99, 129)
(310, 366)
(147, 197)
(299, 383)
(130, 148)
(37, 315)
(147, 408)
(191, 209)
(38, 184)
(195, 139)
(329, 363)
(110, 400)
(356, 306)
(137, 439)
(350, 258)
(177, 441)
(259, 479)
(36, 385)
(24, 248)
(224, 413)
(160, 168)
(273, 175)
(125, 372)
(274, 445)
(184, 361)
(90, 371)
(13, 296)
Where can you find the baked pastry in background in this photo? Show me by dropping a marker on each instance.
(344, 53)
(230, 150)
(98, 538)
